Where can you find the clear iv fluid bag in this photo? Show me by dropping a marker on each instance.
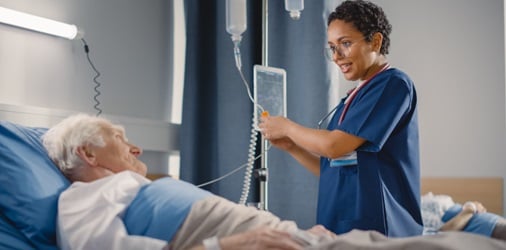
(236, 18)
(294, 7)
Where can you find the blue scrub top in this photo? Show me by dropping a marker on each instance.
(382, 191)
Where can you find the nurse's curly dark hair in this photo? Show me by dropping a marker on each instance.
(367, 18)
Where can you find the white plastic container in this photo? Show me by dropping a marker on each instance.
(236, 18)
(294, 7)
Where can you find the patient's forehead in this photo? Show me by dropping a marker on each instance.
(110, 128)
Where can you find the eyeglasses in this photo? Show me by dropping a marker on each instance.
(342, 49)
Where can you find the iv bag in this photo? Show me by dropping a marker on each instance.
(294, 7)
(236, 18)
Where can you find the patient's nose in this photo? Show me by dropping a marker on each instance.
(135, 150)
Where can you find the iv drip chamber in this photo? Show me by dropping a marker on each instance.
(294, 7)
(236, 18)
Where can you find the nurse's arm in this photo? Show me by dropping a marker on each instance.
(329, 144)
(309, 160)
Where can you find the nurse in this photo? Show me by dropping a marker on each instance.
(368, 157)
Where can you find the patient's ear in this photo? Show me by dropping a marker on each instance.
(87, 155)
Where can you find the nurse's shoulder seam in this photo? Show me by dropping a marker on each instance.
(399, 77)
(397, 73)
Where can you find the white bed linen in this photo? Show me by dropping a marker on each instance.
(90, 214)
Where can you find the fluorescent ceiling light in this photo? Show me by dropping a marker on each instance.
(40, 24)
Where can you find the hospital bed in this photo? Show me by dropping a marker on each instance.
(487, 190)
(30, 184)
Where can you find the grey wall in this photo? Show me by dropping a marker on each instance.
(130, 43)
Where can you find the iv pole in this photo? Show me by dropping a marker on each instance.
(263, 172)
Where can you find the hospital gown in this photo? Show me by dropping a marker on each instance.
(90, 214)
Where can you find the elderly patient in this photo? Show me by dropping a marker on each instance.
(106, 176)
(441, 213)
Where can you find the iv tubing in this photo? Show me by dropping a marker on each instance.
(225, 175)
(251, 161)
(254, 130)
(237, 55)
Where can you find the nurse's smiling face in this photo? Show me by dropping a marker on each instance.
(357, 58)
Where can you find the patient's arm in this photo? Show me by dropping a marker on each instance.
(460, 220)
(260, 238)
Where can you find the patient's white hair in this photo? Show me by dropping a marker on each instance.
(433, 207)
(62, 140)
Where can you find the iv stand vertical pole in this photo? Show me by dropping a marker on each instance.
(263, 171)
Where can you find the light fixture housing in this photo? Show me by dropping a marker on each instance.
(40, 24)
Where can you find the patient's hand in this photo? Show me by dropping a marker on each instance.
(323, 232)
(459, 221)
(260, 238)
(474, 207)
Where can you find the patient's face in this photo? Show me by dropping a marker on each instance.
(118, 154)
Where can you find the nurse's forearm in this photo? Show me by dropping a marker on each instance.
(330, 144)
(310, 161)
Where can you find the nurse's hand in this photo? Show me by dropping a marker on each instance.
(283, 143)
(274, 127)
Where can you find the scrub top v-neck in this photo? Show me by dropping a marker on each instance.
(380, 190)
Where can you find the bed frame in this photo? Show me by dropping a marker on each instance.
(487, 190)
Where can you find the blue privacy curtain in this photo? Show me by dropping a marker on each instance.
(217, 112)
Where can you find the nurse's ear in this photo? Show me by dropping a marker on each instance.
(376, 42)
